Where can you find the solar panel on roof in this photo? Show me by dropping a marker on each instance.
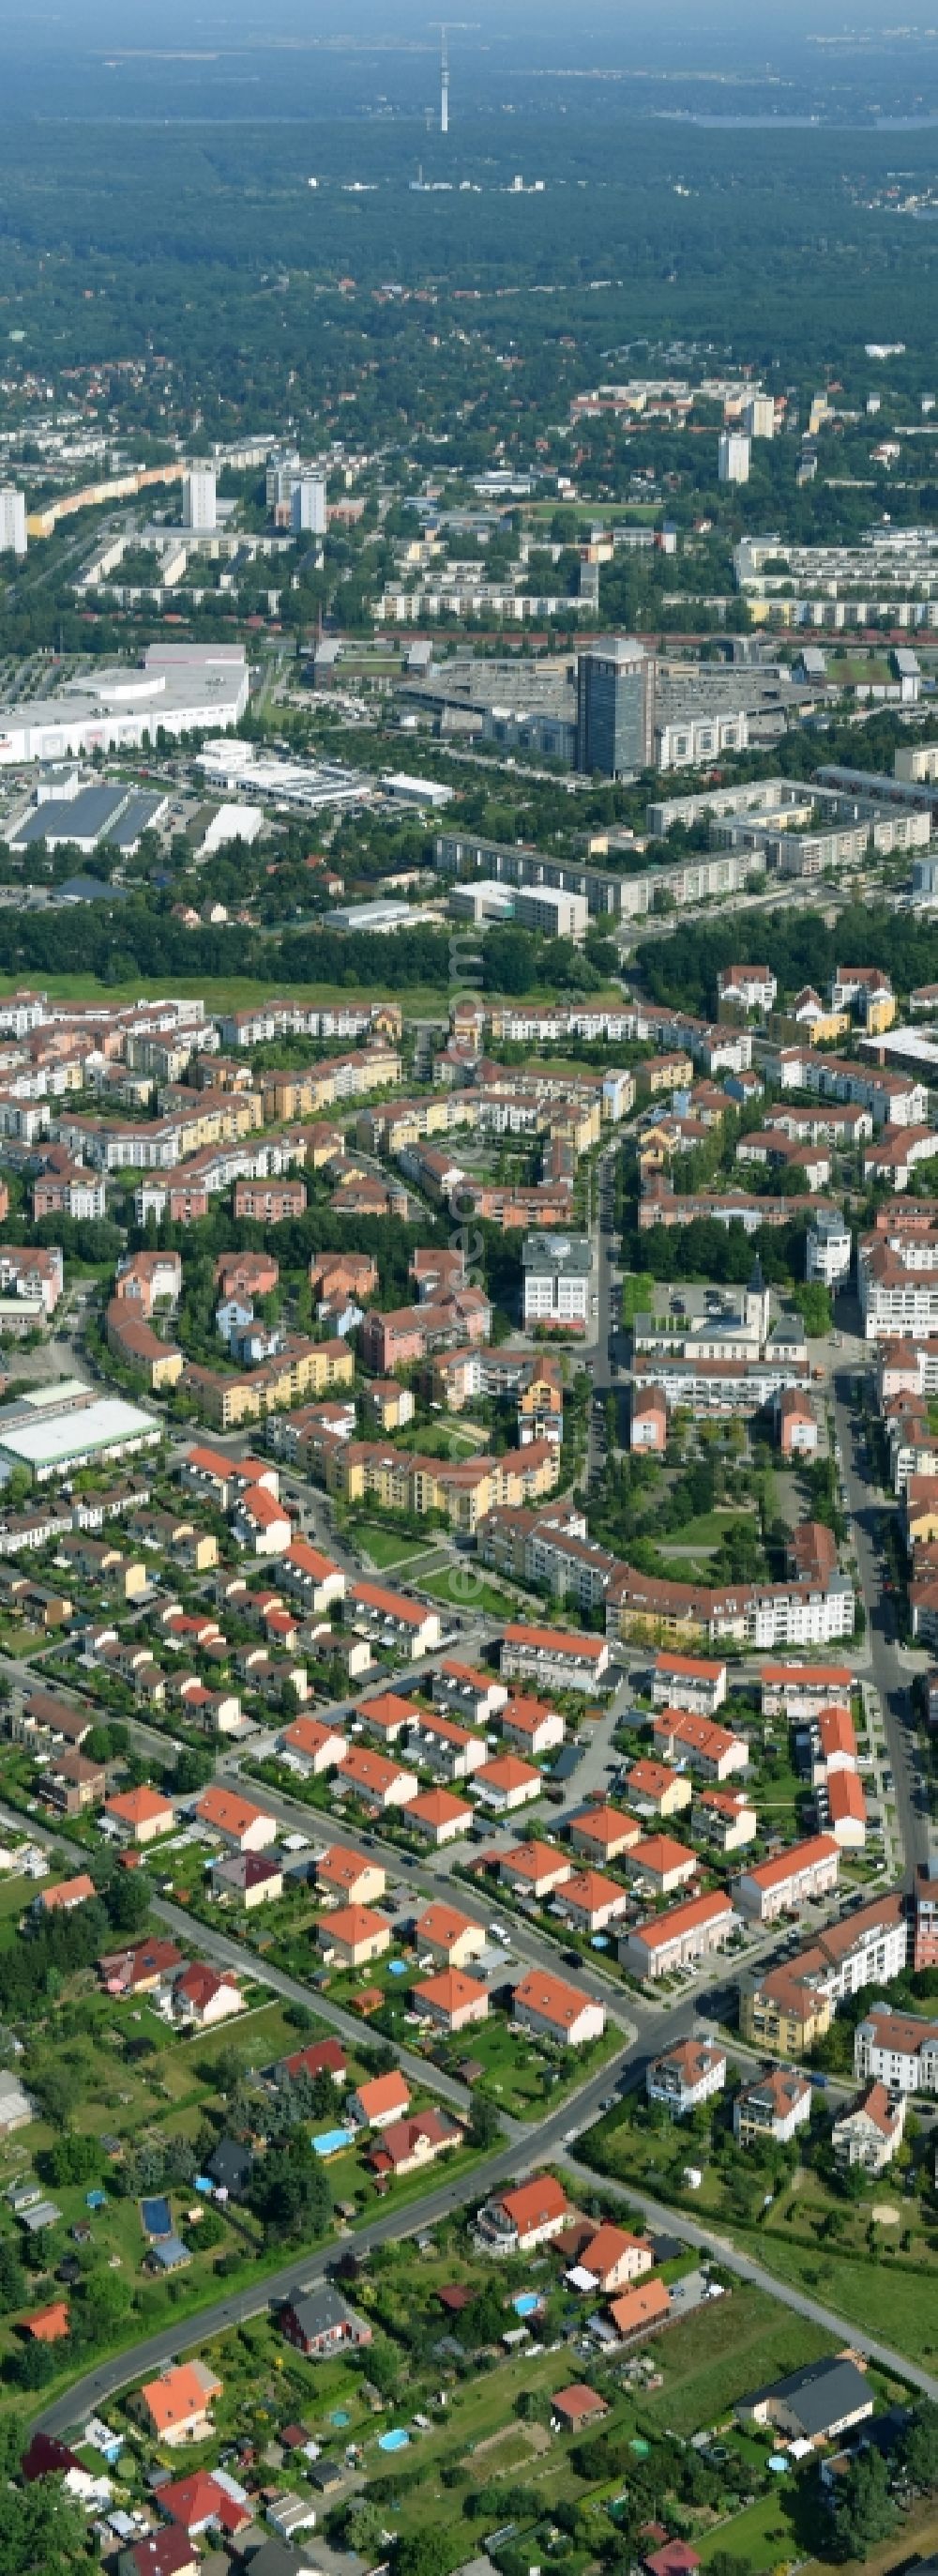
(137, 817)
(85, 817)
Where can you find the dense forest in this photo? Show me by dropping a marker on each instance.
(798, 946)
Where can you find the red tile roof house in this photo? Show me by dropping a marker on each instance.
(808, 1868)
(531, 1726)
(475, 1697)
(388, 1716)
(139, 1815)
(603, 1832)
(448, 1937)
(552, 2010)
(613, 2258)
(440, 1816)
(139, 1969)
(322, 2057)
(679, 1937)
(386, 2097)
(516, 2221)
(353, 1936)
(534, 1869)
(162, 2553)
(451, 2000)
(661, 1863)
(46, 2325)
(384, 1614)
(575, 2406)
(69, 1893)
(239, 1823)
(675, 2559)
(409, 2144)
(444, 1746)
(640, 2310)
(204, 1995)
(201, 2503)
(317, 1578)
(374, 1780)
(686, 2075)
(568, 1659)
(261, 1524)
(507, 1782)
(348, 1877)
(688, 1681)
(589, 1901)
(175, 2407)
(311, 1745)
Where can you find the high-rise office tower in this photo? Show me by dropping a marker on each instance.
(12, 522)
(198, 500)
(615, 708)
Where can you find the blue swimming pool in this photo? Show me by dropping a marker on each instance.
(397, 1967)
(330, 2142)
(525, 2303)
(156, 2216)
(396, 2441)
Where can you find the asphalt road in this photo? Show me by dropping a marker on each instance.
(648, 2030)
(719, 2247)
(238, 1954)
(523, 2155)
(882, 1659)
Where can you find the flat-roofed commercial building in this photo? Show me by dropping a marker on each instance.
(56, 1431)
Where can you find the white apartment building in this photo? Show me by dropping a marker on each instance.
(897, 2049)
(870, 2134)
(683, 741)
(771, 1887)
(199, 504)
(558, 1270)
(747, 988)
(897, 1302)
(828, 1247)
(688, 1682)
(733, 456)
(549, 909)
(678, 1938)
(685, 2076)
(759, 416)
(775, 2107)
(553, 1658)
(308, 504)
(12, 521)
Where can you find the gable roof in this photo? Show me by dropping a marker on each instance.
(184, 2390)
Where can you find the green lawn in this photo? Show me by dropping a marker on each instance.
(901, 2291)
(240, 992)
(450, 1439)
(730, 2345)
(638, 1295)
(462, 1590)
(793, 2242)
(385, 1546)
(760, 2535)
(708, 1530)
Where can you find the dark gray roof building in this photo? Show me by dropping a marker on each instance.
(812, 2404)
